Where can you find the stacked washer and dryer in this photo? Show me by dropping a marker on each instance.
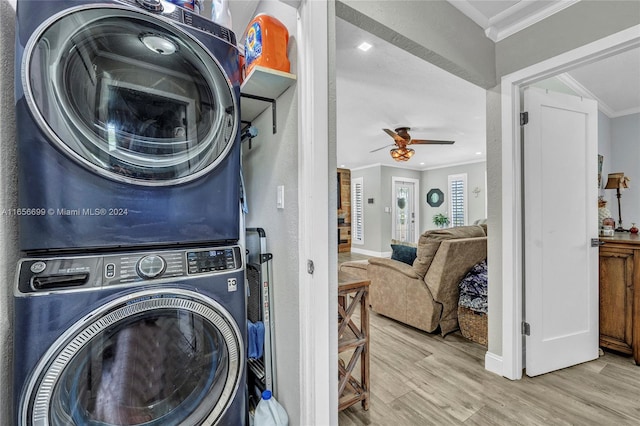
(130, 301)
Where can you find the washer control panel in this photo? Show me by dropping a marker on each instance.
(132, 267)
(67, 273)
(203, 261)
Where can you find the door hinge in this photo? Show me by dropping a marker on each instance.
(310, 267)
(526, 328)
(524, 118)
(595, 242)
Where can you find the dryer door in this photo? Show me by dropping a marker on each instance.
(130, 96)
(154, 357)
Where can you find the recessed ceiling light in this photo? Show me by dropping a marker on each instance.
(422, 164)
(478, 153)
(364, 46)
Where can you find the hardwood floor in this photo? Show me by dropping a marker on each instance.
(422, 379)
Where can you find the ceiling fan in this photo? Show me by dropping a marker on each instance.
(402, 138)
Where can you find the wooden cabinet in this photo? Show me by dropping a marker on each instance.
(620, 294)
(344, 210)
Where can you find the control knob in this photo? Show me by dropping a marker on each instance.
(150, 266)
(152, 5)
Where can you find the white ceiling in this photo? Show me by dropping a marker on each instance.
(614, 82)
(387, 87)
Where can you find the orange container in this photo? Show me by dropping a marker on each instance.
(266, 44)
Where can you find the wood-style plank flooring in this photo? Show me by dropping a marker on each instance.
(423, 379)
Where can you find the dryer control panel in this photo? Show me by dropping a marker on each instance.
(184, 16)
(86, 272)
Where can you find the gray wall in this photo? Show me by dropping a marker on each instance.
(494, 219)
(9, 253)
(604, 149)
(625, 157)
(373, 213)
(577, 25)
(377, 223)
(273, 161)
(439, 178)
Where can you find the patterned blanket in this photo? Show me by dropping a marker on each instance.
(473, 288)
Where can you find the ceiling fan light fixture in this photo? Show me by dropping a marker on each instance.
(402, 154)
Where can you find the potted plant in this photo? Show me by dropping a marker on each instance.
(440, 220)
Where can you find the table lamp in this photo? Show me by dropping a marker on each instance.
(618, 181)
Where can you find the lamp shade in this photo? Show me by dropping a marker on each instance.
(617, 180)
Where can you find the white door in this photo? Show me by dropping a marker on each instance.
(560, 218)
(405, 209)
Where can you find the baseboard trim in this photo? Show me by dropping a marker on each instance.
(370, 252)
(493, 363)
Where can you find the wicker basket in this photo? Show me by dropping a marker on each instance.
(473, 325)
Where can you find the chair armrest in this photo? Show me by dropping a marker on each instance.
(394, 265)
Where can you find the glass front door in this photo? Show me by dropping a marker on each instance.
(404, 211)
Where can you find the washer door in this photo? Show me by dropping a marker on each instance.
(155, 357)
(130, 96)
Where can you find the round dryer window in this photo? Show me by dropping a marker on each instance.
(130, 96)
(155, 357)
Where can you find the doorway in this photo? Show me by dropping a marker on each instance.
(510, 365)
(405, 209)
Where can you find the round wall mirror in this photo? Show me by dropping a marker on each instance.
(435, 197)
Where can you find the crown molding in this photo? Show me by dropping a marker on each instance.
(580, 90)
(512, 20)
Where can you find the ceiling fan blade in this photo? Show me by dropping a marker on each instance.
(429, 142)
(394, 135)
(386, 146)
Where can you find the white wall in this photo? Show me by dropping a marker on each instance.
(9, 253)
(273, 161)
(438, 178)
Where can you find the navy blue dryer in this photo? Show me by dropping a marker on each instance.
(127, 122)
(133, 338)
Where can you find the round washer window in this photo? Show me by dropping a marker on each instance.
(130, 96)
(154, 357)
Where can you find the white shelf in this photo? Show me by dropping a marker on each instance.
(265, 83)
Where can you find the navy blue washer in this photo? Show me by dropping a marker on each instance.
(154, 338)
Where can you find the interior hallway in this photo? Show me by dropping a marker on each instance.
(422, 379)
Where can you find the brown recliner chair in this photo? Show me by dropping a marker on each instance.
(425, 294)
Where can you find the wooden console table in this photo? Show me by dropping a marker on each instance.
(353, 292)
(620, 294)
